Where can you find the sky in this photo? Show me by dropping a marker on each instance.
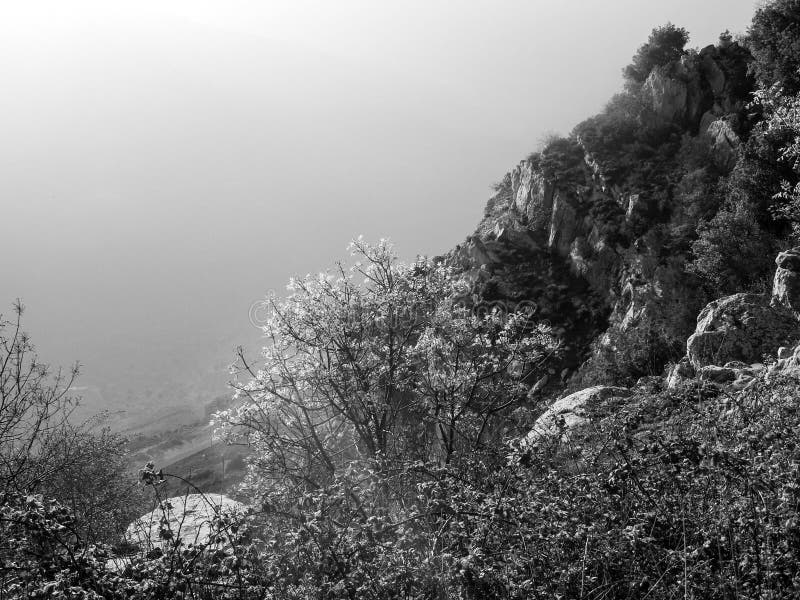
(164, 164)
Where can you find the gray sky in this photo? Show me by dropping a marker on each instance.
(163, 164)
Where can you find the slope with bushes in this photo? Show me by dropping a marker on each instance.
(499, 422)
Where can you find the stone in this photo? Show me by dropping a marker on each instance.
(538, 386)
(680, 373)
(570, 412)
(742, 382)
(189, 517)
(742, 327)
(724, 143)
(717, 374)
(563, 225)
(668, 95)
(736, 364)
(790, 259)
(786, 284)
(787, 365)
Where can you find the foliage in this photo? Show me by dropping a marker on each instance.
(561, 161)
(732, 252)
(35, 408)
(94, 482)
(43, 556)
(774, 41)
(387, 413)
(43, 452)
(665, 44)
(384, 361)
(781, 134)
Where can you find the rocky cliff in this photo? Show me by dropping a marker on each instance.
(594, 232)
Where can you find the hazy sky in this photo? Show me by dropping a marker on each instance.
(163, 164)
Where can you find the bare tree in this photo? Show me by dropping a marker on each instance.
(34, 410)
(80, 464)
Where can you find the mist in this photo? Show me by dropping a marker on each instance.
(165, 165)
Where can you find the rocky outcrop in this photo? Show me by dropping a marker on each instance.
(786, 284)
(567, 232)
(742, 327)
(667, 94)
(701, 87)
(724, 143)
(734, 333)
(187, 517)
(571, 411)
(788, 363)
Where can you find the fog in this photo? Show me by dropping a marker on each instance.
(165, 164)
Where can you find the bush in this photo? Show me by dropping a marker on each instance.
(43, 452)
(733, 253)
(774, 41)
(665, 45)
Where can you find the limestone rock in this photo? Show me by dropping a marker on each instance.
(538, 386)
(563, 225)
(788, 364)
(667, 94)
(724, 143)
(742, 327)
(570, 411)
(680, 373)
(188, 517)
(533, 196)
(717, 374)
(786, 285)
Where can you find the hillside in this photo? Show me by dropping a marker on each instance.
(593, 396)
(605, 231)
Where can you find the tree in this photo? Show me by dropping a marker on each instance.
(732, 252)
(774, 41)
(665, 44)
(384, 360)
(43, 452)
(34, 410)
(376, 381)
(780, 133)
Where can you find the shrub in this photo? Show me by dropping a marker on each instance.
(665, 44)
(732, 252)
(774, 41)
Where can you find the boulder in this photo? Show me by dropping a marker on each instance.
(786, 285)
(570, 412)
(188, 517)
(680, 373)
(788, 363)
(717, 374)
(742, 327)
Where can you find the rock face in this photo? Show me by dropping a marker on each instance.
(788, 363)
(724, 143)
(188, 517)
(735, 332)
(742, 327)
(570, 234)
(667, 94)
(570, 412)
(786, 285)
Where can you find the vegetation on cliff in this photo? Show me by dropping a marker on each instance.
(388, 416)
